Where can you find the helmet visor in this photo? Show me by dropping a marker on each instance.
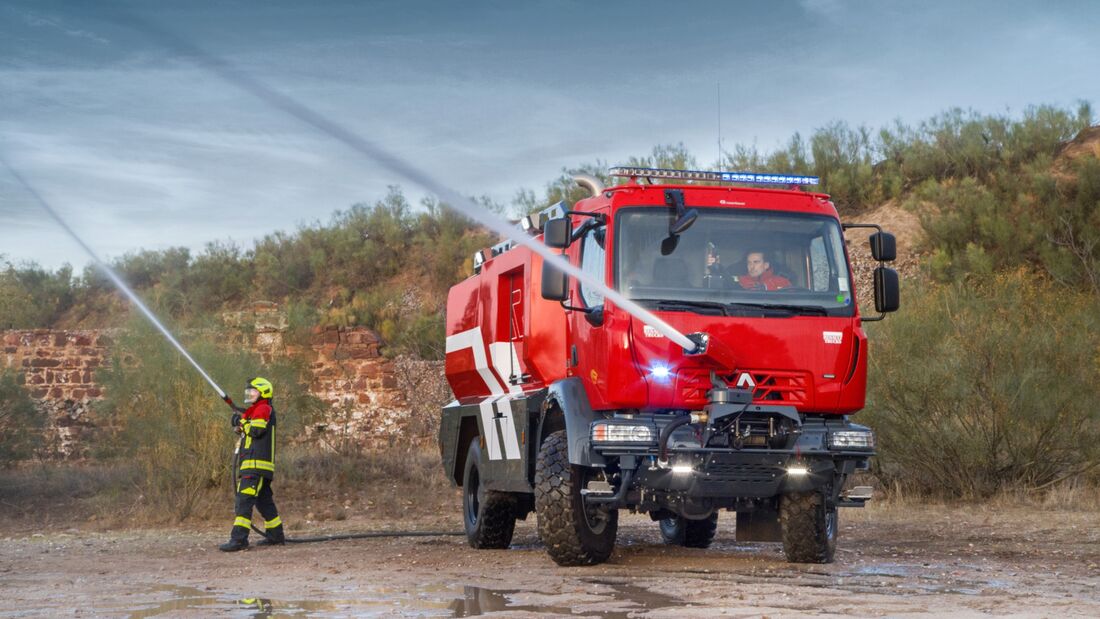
(251, 394)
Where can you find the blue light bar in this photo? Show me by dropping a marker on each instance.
(716, 177)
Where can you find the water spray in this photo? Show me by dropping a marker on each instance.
(115, 279)
(398, 166)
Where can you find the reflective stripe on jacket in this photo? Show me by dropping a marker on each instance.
(257, 447)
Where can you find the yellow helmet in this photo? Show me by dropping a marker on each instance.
(262, 385)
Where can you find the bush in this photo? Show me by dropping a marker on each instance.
(165, 417)
(981, 387)
(20, 421)
(1035, 217)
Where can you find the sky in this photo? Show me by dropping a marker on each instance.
(139, 147)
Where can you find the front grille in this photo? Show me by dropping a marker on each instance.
(774, 386)
(740, 472)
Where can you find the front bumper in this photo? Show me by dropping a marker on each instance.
(805, 462)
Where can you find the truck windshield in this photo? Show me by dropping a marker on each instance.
(734, 262)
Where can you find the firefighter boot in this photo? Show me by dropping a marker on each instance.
(234, 545)
(238, 538)
(273, 536)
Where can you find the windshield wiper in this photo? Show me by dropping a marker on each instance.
(724, 308)
(813, 310)
(678, 305)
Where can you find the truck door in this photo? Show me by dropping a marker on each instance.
(588, 354)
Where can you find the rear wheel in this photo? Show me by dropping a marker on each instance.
(809, 528)
(574, 533)
(489, 516)
(691, 533)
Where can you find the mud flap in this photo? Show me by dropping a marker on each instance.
(761, 525)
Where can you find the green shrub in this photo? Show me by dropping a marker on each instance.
(1035, 217)
(21, 422)
(978, 387)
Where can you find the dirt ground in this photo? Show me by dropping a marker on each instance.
(913, 561)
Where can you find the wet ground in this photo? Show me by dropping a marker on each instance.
(914, 562)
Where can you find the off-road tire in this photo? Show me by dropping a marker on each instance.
(563, 522)
(489, 516)
(690, 533)
(809, 528)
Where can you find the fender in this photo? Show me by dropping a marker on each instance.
(503, 425)
(569, 396)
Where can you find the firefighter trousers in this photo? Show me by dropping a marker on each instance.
(254, 491)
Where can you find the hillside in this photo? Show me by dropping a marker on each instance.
(964, 193)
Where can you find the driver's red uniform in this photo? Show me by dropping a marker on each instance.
(767, 281)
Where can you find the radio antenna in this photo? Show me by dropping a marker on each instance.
(719, 85)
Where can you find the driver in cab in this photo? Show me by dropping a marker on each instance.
(760, 275)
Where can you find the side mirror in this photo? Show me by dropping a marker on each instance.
(683, 216)
(683, 222)
(555, 283)
(557, 233)
(887, 292)
(884, 247)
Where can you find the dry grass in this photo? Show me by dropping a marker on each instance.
(311, 487)
(384, 487)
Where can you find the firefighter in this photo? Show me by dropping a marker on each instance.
(760, 275)
(256, 460)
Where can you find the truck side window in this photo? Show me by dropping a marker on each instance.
(592, 262)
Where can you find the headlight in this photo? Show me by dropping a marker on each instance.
(660, 372)
(852, 439)
(622, 433)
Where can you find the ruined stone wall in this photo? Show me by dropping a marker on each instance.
(58, 368)
(371, 400)
(358, 386)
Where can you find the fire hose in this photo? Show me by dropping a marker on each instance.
(234, 470)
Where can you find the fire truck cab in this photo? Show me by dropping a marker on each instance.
(574, 406)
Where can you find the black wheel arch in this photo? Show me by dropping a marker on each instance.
(467, 431)
(567, 408)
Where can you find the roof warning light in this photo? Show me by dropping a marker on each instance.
(715, 177)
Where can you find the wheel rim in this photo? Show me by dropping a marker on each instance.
(668, 526)
(473, 496)
(830, 525)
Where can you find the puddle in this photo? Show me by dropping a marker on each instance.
(626, 601)
(609, 599)
(205, 604)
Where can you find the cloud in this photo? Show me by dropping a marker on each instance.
(40, 21)
(829, 9)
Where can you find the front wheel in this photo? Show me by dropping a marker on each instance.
(574, 532)
(690, 533)
(809, 528)
(489, 517)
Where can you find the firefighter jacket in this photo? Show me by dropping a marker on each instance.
(256, 451)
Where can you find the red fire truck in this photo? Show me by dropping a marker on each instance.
(575, 406)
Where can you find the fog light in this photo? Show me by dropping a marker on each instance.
(797, 471)
(681, 469)
(852, 439)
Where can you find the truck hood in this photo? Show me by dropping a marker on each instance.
(803, 361)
